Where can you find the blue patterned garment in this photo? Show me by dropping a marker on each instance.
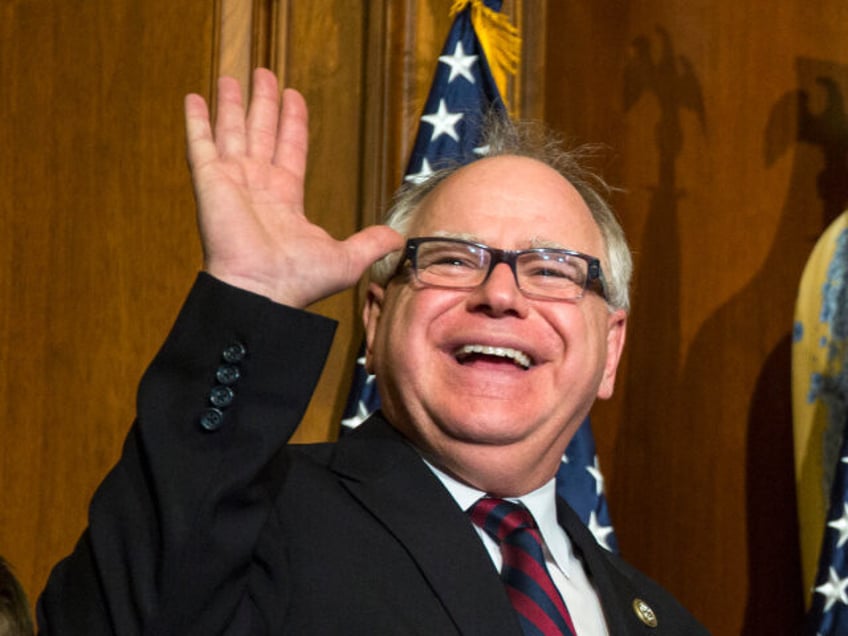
(820, 399)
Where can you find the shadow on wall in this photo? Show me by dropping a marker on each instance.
(662, 394)
(655, 395)
(812, 119)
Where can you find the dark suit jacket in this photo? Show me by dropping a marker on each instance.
(210, 524)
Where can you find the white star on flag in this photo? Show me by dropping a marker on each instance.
(443, 122)
(833, 590)
(362, 413)
(595, 471)
(422, 175)
(363, 409)
(601, 532)
(460, 63)
(841, 524)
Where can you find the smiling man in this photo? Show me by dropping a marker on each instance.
(495, 317)
(491, 378)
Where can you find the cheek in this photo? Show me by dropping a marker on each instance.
(582, 337)
(399, 334)
(413, 314)
(407, 338)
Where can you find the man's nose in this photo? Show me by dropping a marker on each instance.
(499, 294)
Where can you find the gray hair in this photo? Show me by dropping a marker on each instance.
(15, 616)
(503, 137)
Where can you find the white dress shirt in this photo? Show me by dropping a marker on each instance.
(565, 568)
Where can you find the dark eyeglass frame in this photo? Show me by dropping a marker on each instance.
(595, 280)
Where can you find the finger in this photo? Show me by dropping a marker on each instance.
(262, 115)
(200, 147)
(293, 135)
(229, 120)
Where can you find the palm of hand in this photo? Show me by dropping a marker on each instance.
(249, 181)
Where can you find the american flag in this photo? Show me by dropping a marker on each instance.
(829, 610)
(463, 90)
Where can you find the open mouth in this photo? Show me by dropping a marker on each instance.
(468, 353)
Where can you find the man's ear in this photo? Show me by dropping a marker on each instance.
(371, 312)
(616, 332)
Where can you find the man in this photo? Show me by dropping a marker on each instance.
(491, 334)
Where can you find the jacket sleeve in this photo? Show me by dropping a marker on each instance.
(173, 525)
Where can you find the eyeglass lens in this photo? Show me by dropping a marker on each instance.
(543, 272)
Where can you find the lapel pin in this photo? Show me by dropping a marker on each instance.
(644, 612)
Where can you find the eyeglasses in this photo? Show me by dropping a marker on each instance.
(541, 272)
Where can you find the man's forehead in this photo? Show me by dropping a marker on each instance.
(507, 180)
(509, 202)
(531, 241)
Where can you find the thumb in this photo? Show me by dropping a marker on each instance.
(370, 245)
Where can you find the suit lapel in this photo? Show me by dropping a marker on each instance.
(615, 590)
(387, 476)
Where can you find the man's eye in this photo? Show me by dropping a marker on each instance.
(560, 271)
(451, 260)
(551, 272)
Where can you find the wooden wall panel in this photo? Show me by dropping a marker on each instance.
(727, 190)
(97, 242)
(324, 59)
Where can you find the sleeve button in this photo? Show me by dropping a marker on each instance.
(212, 419)
(234, 352)
(227, 374)
(221, 396)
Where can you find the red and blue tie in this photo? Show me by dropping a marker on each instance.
(541, 610)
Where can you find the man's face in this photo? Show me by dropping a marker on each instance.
(461, 410)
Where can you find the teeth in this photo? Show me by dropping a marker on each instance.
(520, 358)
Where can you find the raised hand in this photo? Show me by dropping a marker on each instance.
(248, 178)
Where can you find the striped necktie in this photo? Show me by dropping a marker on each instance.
(541, 610)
